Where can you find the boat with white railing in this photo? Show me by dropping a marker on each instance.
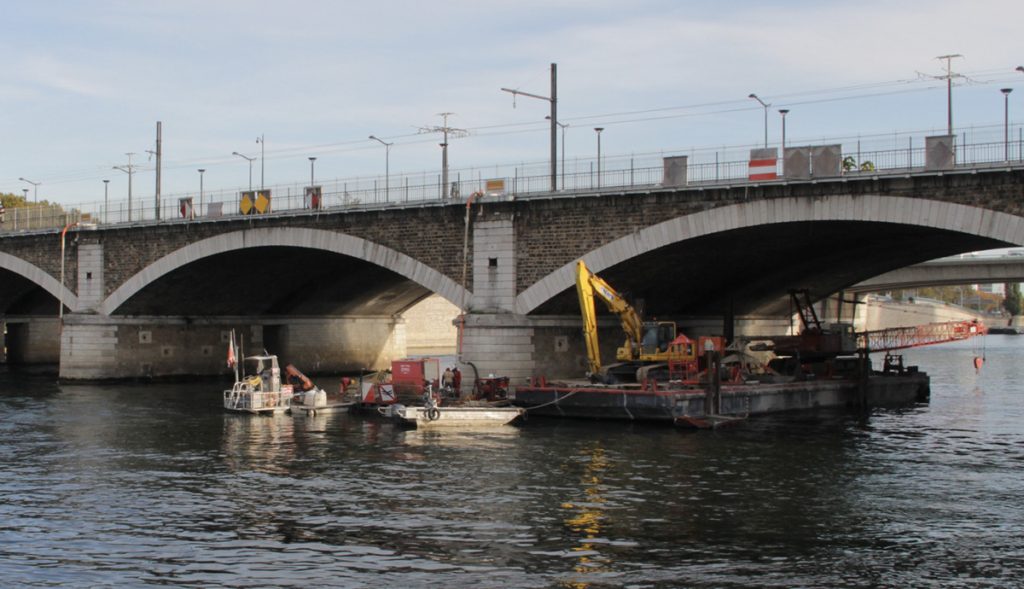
(259, 388)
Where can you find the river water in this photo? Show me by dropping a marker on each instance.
(152, 485)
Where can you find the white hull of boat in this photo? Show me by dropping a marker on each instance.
(452, 417)
(242, 401)
(328, 408)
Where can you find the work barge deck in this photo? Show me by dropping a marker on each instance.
(682, 403)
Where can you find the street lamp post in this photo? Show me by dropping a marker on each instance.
(387, 166)
(765, 105)
(598, 130)
(106, 201)
(250, 160)
(312, 160)
(129, 169)
(564, 126)
(783, 112)
(1006, 122)
(263, 159)
(35, 189)
(201, 172)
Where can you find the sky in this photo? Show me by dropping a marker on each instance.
(84, 82)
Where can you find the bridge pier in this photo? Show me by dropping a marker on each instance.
(95, 347)
(30, 340)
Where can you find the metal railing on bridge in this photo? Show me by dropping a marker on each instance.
(874, 155)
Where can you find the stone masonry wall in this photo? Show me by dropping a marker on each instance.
(549, 232)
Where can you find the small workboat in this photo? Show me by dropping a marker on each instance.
(451, 417)
(432, 415)
(310, 399)
(259, 388)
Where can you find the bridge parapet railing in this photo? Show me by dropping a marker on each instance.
(876, 155)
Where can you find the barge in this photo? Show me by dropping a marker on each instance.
(694, 405)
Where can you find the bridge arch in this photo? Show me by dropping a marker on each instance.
(897, 210)
(40, 277)
(316, 239)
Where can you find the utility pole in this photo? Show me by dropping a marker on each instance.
(553, 99)
(446, 131)
(949, 88)
(158, 153)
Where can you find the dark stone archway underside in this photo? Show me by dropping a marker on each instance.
(755, 268)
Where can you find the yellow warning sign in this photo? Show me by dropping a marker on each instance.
(263, 201)
(246, 202)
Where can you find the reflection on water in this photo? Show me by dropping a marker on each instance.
(586, 519)
(133, 485)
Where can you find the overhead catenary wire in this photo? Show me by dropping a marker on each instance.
(825, 95)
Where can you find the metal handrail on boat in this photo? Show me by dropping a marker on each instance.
(243, 396)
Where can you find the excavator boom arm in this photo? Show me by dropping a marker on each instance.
(589, 286)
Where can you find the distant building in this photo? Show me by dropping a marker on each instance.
(991, 288)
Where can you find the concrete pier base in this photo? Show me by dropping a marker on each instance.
(95, 347)
(31, 340)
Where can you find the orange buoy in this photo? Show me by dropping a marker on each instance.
(978, 362)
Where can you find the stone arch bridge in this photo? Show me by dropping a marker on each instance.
(328, 289)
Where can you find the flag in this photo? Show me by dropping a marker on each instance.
(231, 353)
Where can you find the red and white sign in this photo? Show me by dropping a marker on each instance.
(763, 164)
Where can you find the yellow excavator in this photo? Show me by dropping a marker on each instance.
(649, 347)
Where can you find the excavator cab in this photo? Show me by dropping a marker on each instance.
(657, 335)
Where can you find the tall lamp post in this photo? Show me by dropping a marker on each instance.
(553, 99)
(1006, 122)
(250, 160)
(783, 112)
(598, 131)
(564, 126)
(765, 105)
(129, 169)
(312, 161)
(201, 172)
(35, 189)
(263, 159)
(387, 166)
(106, 201)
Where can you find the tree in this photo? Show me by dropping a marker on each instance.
(1012, 302)
(850, 164)
(10, 201)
